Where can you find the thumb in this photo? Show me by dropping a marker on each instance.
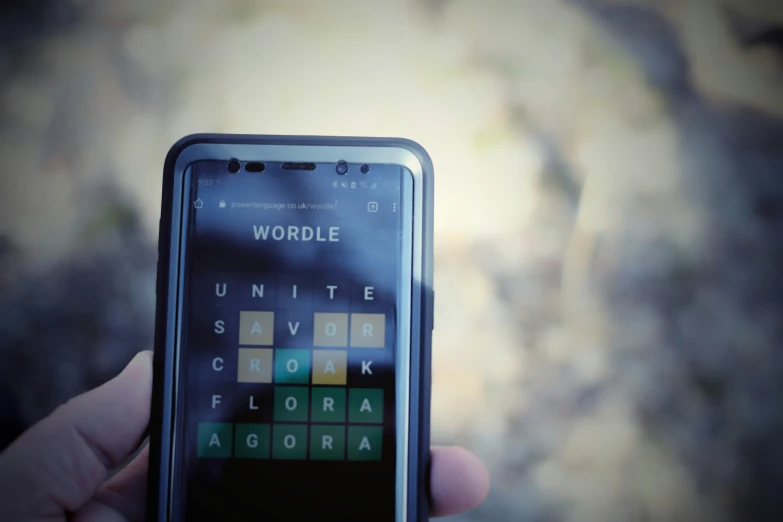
(57, 465)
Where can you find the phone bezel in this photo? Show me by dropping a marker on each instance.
(413, 456)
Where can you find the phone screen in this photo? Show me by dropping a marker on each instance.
(288, 343)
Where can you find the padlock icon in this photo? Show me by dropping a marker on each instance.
(222, 203)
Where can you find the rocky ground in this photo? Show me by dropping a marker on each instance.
(608, 206)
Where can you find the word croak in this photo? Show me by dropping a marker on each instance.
(294, 233)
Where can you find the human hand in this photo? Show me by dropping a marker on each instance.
(63, 467)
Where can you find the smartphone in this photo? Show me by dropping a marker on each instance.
(293, 331)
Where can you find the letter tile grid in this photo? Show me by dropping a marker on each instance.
(290, 368)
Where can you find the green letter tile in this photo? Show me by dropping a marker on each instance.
(365, 405)
(291, 403)
(252, 441)
(327, 442)
(214, 439)
(365, 442)
(328, 405)
(292, 366)
(289, 441)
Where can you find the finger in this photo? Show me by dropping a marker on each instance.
(60, 462)
(458, 481)
(122, 498)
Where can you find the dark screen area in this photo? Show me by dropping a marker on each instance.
(288, 353)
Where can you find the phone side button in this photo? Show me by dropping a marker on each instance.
(432, 310)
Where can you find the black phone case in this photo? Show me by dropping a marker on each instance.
(420, 392)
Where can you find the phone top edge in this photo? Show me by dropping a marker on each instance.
(412, 146)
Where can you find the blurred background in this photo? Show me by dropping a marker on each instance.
(609, 248)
